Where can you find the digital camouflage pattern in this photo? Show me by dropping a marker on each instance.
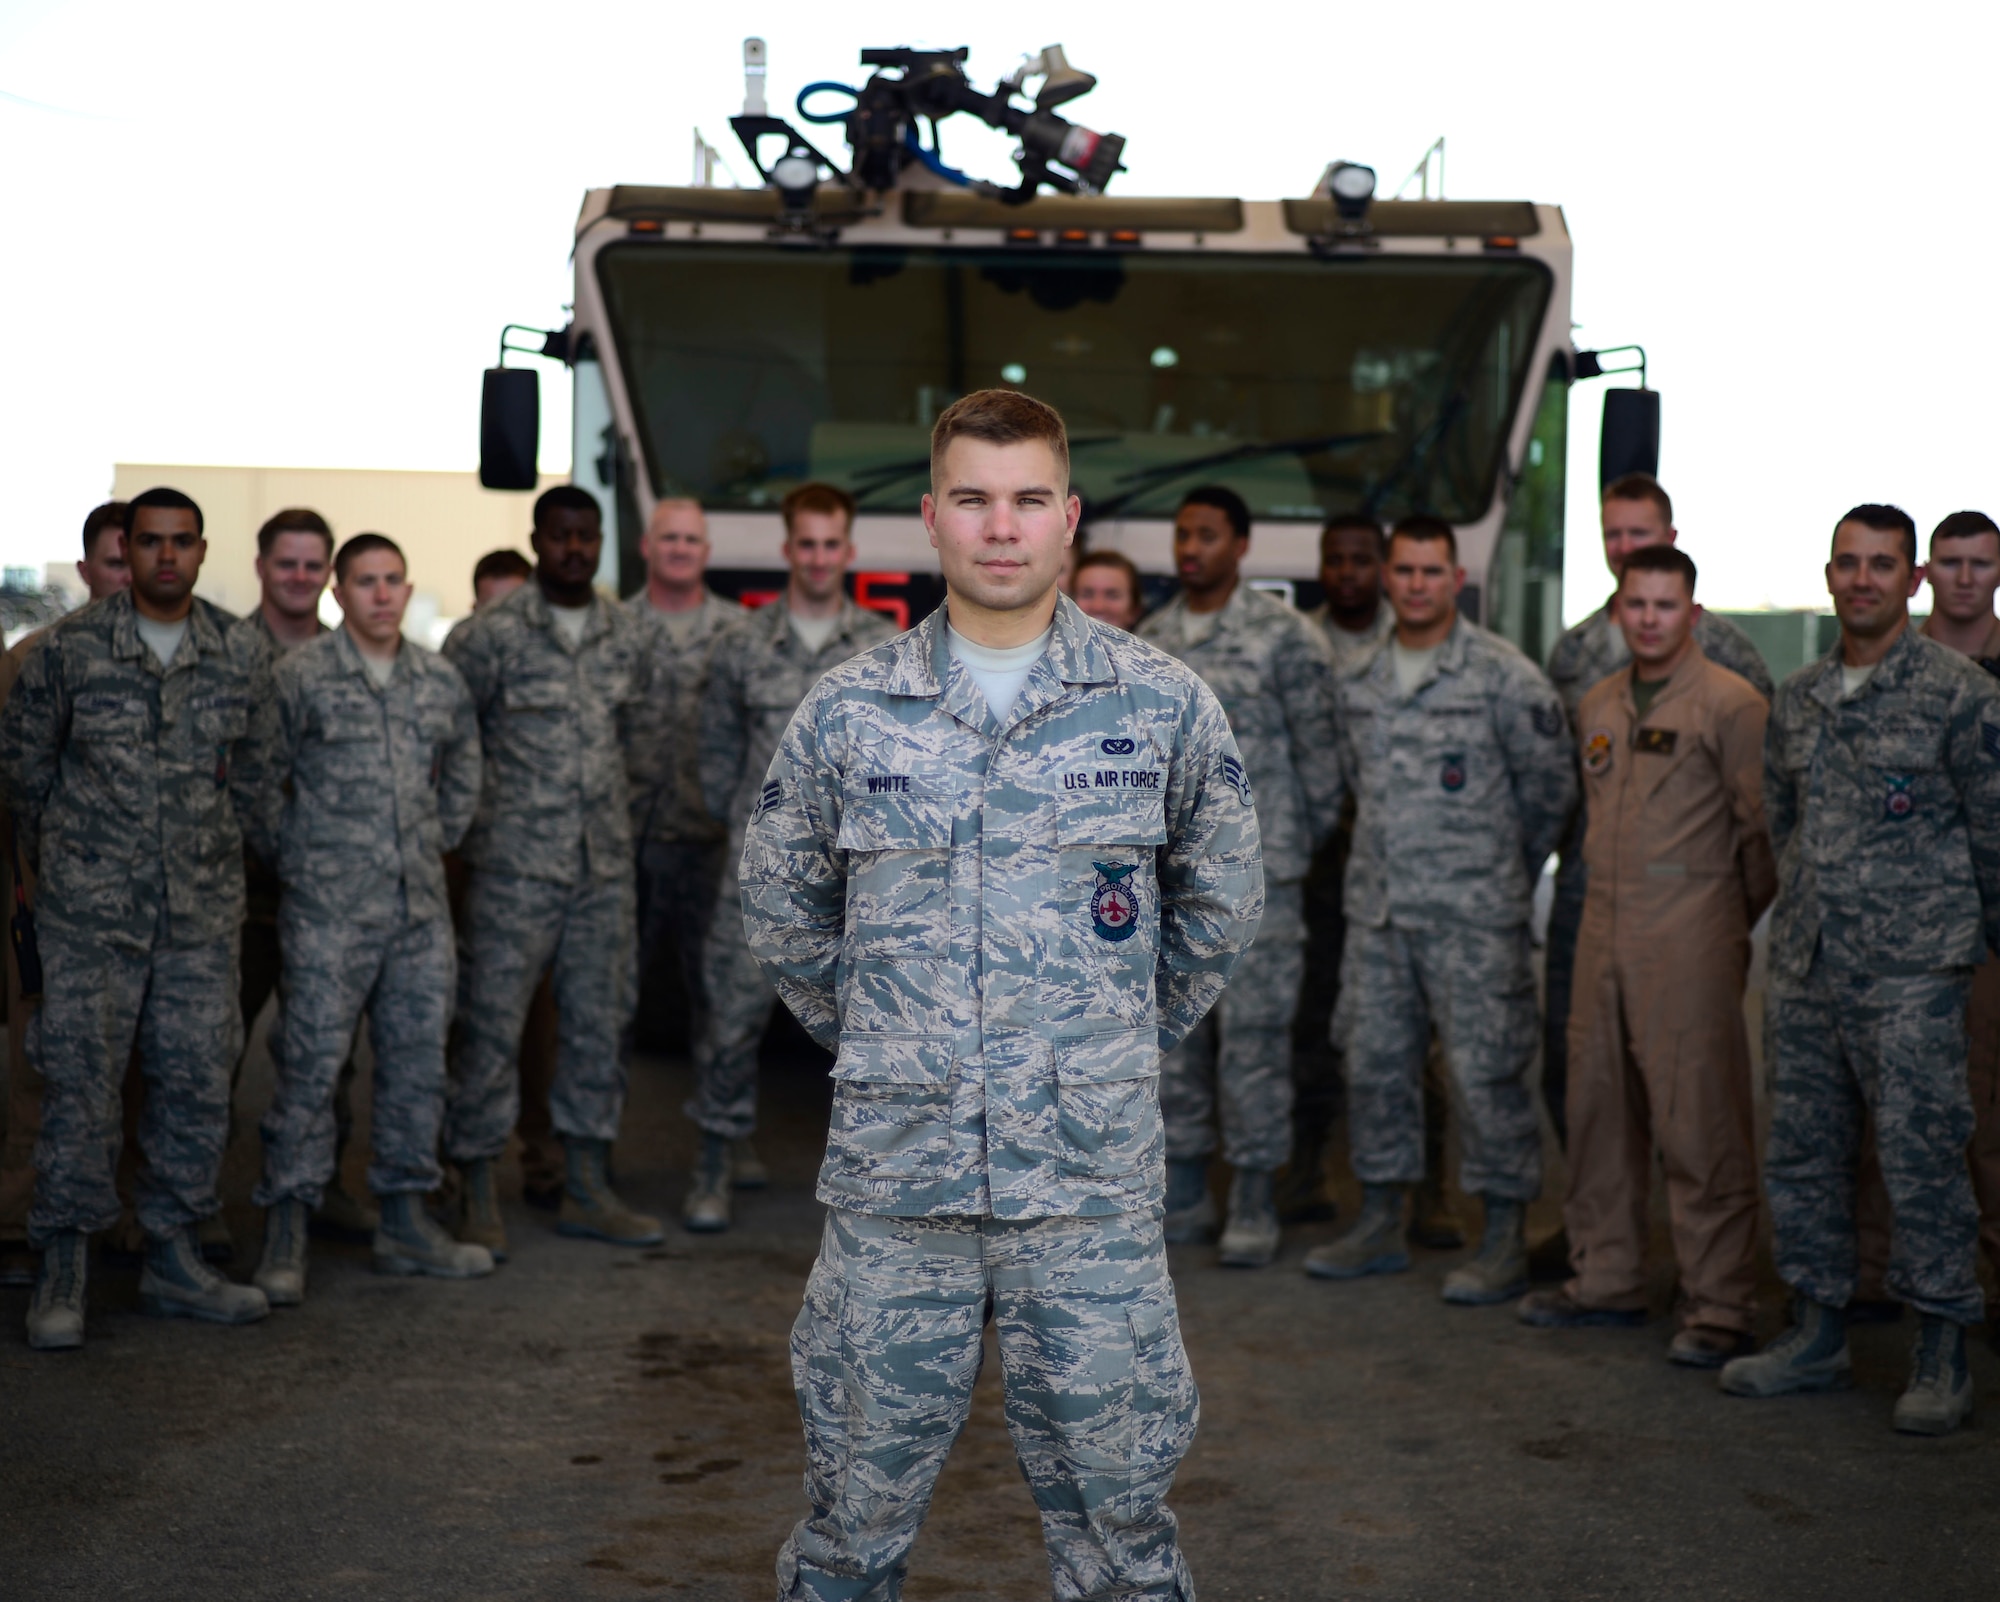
(372, 784)
(261, 885)
(131, 783)
(1099, 1398)
(1585, 656)
(552, 721)
(1850, 1049)
(1241, 1053)
(402, 976)
(677, 881)
(103, 994)
(514, 928)
(1001, 925)
(1884, 809)
(663, 736)
(760, 672)
(1473, 984)
(1461, 788)
(1273, 673)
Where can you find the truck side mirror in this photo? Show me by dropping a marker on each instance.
(1629, 441)
(510, 428)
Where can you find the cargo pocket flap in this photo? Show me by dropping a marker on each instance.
(1104, 1059)
(922, 1060)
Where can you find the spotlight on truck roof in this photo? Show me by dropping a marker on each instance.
(1352, 187)
(796, 177)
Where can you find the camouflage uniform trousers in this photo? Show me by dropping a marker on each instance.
(739, 1000)
(179, 1004)
(1477, 986)
(1099, 1398)
(1847, 1047)
(403, 976)
(1241, 1053)
(514, 928)
(260, 965)
(677, 882)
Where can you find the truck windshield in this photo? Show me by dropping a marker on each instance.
(1309, 386)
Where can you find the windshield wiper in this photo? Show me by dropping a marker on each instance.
(1146, 479)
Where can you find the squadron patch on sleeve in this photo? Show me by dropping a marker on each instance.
(1597, 751)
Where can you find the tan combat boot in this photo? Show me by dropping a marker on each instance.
(281, 1276)
(1498, 1271)
(707, 1208)
(479, 1222)
(176, 1283)
(55, 1316)
(409, 1241)
(591, 1208)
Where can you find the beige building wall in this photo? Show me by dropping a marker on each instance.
(444, 522)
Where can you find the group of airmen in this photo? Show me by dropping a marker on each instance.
(937, 848)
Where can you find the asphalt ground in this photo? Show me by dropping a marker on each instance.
(597, 1423)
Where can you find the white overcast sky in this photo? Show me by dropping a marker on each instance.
(281, 235)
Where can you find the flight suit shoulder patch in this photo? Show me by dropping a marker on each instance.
(1597, 751)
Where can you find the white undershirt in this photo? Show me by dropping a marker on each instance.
(164, 638)
(679, 625)
(380, 669)
(1411, 665)
(999, 673)
(1198, 628)
(813, 632)
(1852, 678)
(570, 621)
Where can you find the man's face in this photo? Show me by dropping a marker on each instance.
(374, 595)
(490, 589)
(1964, 574)
(293, 574)
(164, 550)
(104, 571)
(1656, 614)
(675, 544)
(1104, 591)
(1207, 551)
(1000, 519)
(1628, 525)
(1350, 569)
(1870, 579)
(568, 544)
(1420, 581)
(818, 550)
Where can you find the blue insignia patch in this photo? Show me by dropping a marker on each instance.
(1989, 736)
(767, 798)
(1114, 907)
(1548, 721)
(1899, 805)
(1237, 780)
(1117, 747)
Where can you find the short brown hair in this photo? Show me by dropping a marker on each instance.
(293, 520)
(1659, 559)
(361, 545)
(112, 514)
(1422, 526)
(1119, 560)
(1639, 487)
(830, 498)
(1001, 417)
(1962, 526)
(503, 563)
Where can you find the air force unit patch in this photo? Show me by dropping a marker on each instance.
(1114, 906)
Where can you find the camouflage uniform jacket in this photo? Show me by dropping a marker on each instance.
(552, 723)
(660, 758)
(1351, 651)
(260, 880)
(1461, 788)
(382, 780)
(1594, 649)
(1885, 814)
(760, 672)
(1273, 673)
(1000, 926)
(128, 780)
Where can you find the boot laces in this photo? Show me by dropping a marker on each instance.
(66, 1283)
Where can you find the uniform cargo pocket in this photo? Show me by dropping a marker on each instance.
(899, 873)
(1108, 1103)
(891, 1107)
(1165, 1405)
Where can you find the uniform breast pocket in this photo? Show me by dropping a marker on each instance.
(109, 722)
(1110, 885)
(899, 873)
(891, 1106)
(350, 758)
(1108, 1103)
(1911, 797)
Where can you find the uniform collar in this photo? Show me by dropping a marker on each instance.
(922, 664)
(1829, 690)
(122, 614)
(352, 662)
(1228, 618)
(536, 611)
(1677, 682)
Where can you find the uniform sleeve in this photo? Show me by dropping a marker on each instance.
(794, 880)
(463, 768)
(33, 726)
(1742, 741)
(1973, 753)
(1211, 870)
(1540, 754)
(1303, 665)
(722, 728)
(1563, 671)
(470, 649)
(1781, 802)
(263, 824)
(1735, 650)
(254, 781)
